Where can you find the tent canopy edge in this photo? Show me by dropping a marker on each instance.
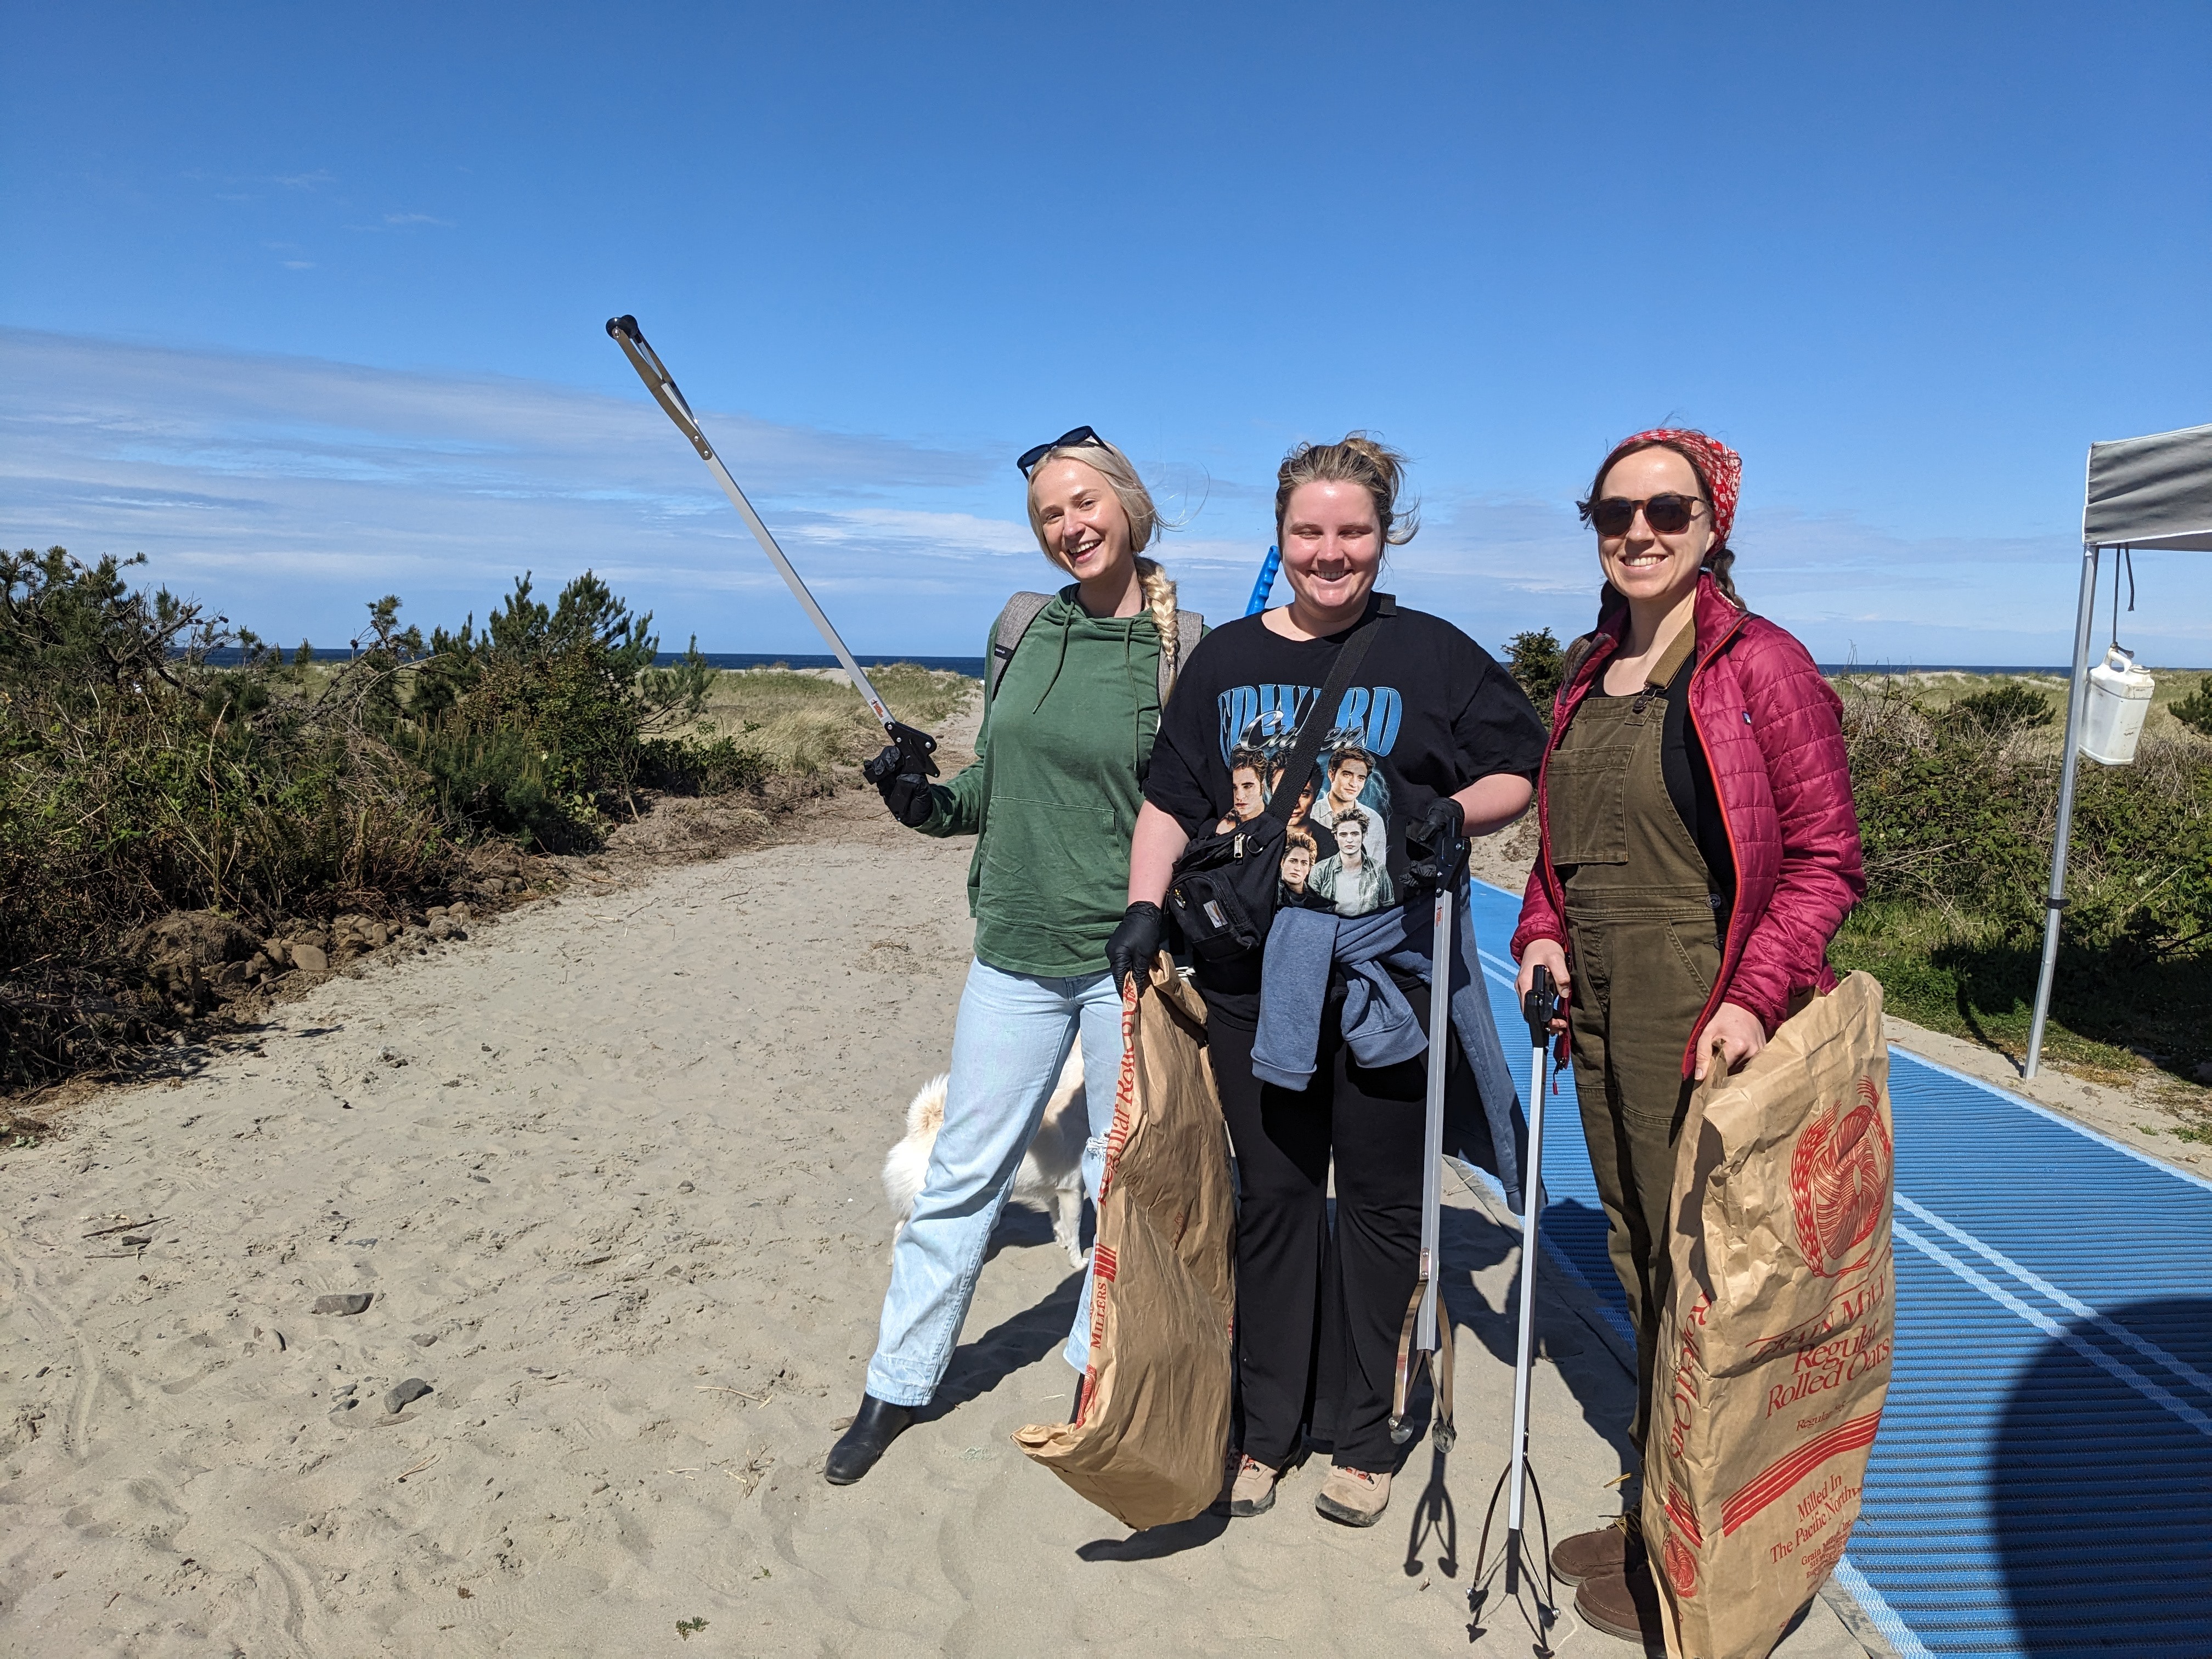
(2151, 492)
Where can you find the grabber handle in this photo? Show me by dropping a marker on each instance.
(1542, 1006)
(910, 758)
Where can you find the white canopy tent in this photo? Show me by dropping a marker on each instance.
(2146, 492)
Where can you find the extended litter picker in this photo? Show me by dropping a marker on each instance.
(914, 747)
(1524, 1565)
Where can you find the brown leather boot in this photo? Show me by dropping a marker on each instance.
(1624, 1604)
(1610, 1548)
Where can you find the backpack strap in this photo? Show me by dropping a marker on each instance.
(1024, 609)
(1190, 627)
(1006, 633)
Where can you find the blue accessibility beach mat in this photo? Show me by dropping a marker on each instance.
(2042, 1486)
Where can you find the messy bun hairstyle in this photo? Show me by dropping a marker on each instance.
(1359, 459)
(1111, 465)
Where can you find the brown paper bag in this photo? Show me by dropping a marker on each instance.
(1775, 1345)
(1148, 1447)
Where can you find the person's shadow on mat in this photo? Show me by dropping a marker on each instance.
(980, 1366)
(2100, 1487)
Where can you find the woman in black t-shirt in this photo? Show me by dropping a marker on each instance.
(1437, 736)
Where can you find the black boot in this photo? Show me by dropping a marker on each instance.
(875, 1425)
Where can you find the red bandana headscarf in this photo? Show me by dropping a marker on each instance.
(1721, 466)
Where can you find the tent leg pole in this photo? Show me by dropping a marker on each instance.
(2077, 703)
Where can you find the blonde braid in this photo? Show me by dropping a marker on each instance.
(1160, 597)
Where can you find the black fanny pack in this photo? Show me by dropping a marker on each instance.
(1222, 896)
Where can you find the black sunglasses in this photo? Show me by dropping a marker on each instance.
(1669, 515)
(1075, 439)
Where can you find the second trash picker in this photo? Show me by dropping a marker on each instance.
(1518, 1483)
(914, 748)
(1427, 1333)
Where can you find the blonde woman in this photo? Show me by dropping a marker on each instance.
(1076, 682)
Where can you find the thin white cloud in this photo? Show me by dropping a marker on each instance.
(950, 535)
(309, 486)
(288, 492)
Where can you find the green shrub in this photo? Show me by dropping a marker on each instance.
(2010, 706)
(134, 779)
(1955, 815)
(1957, 822)
(537, 727)
(2194, 710)
(717, 767)
(1537, 661)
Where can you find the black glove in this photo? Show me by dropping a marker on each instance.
(901, 773)
(1133, 942)
(907, 793)
(1436, 845)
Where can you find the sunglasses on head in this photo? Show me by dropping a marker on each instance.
(1079, 438)
(1669, 514)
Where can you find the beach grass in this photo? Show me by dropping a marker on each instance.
(801, 723)
(1941, 690)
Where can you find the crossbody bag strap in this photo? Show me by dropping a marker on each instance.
(1313, 731)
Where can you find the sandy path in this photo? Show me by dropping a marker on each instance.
(608, 1173)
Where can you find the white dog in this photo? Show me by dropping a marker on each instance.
(1051, 1176)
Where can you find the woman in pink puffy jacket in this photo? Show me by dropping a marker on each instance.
(1699, 849)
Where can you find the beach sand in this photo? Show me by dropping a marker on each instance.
(607, 1174)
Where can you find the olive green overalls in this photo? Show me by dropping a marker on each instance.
(1644, 925)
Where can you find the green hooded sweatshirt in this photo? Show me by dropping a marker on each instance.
(1053, 795)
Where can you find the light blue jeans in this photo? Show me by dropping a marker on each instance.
(1012, 1037)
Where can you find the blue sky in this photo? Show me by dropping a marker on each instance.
(306, 304)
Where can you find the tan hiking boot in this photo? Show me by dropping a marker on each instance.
(1593, 1554)
(1254, 1490)
(1353, 1497)
(1623, 1604)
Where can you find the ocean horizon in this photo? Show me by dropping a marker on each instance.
(973, 666)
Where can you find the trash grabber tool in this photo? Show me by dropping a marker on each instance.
(1264, 588)
(1427, 1330)
(914, 747)
(1519, 1480)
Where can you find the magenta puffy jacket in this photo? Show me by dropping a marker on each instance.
(1772, 734)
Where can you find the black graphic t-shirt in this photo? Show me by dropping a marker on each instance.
(1435, 713)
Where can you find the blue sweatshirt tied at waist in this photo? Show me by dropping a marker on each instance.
(1379, 1024)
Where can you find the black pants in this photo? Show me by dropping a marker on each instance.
(1317, 1319)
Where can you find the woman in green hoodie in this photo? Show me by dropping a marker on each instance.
(1052, 799)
